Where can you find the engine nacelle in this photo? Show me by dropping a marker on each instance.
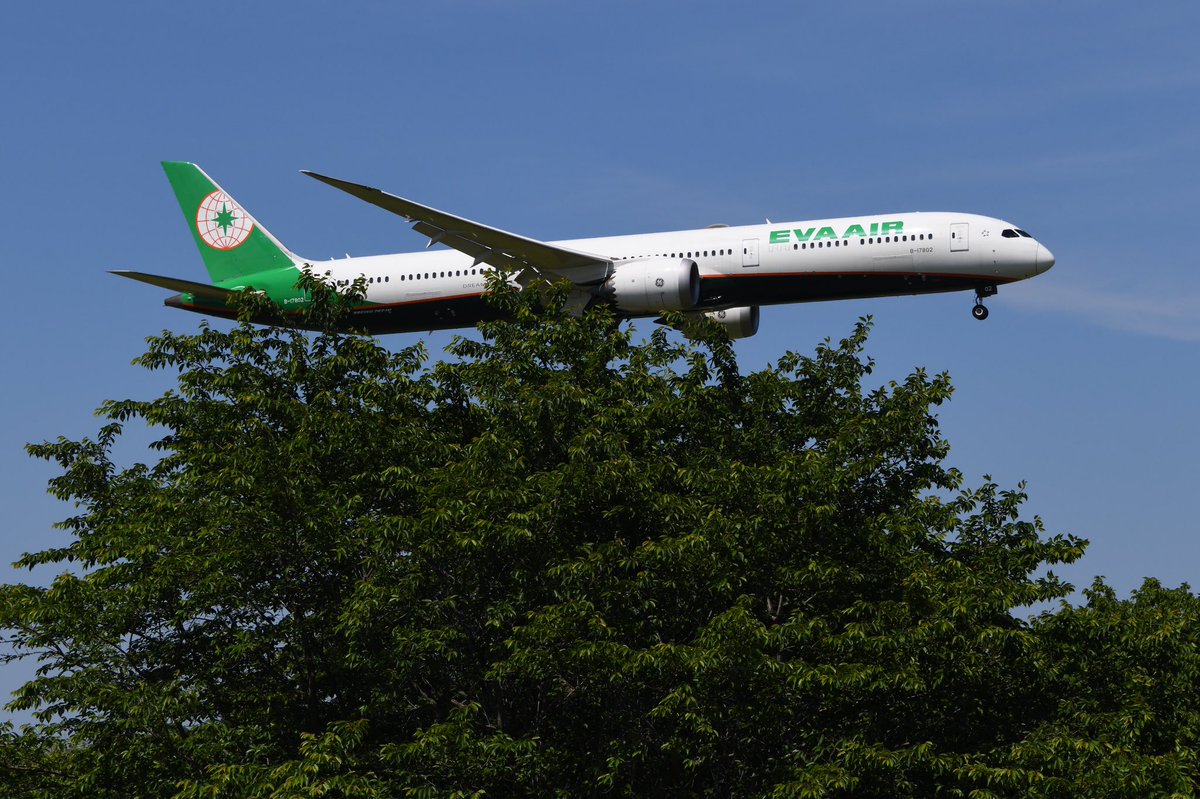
(738, 322)
(655, 284)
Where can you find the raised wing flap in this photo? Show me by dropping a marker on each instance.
(484, 244)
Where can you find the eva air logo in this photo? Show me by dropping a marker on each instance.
(221, 222)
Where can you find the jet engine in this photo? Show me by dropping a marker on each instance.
(655, 284)
(738, 322)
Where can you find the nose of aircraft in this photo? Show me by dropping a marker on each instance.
(1045, 259)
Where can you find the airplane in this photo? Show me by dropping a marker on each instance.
(725, 273)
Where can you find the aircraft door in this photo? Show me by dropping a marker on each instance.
(750, 252)
(959, 237)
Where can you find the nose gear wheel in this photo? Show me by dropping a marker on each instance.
(980, 310)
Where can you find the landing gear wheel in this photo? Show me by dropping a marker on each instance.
(980, 312)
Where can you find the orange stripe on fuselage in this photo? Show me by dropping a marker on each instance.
(227, 312)
(952, 276)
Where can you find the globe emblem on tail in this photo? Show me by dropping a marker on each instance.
(221, 222)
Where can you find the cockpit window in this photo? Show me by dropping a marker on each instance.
(1009, 233)
(1023, 234)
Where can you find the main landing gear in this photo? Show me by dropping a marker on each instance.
(980, 310)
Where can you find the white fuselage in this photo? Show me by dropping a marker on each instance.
(924, 252)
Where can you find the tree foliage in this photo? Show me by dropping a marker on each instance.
(564, 562)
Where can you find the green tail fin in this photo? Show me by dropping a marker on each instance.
(231, 241)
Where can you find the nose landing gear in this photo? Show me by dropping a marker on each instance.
(980, 310)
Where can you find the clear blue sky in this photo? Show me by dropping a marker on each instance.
(1079, 121)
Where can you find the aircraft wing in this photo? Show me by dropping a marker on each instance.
(484, 244)
(175, 284)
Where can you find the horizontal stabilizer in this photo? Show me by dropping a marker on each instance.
(175, 284)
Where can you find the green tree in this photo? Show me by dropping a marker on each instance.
(1126, 709)
(558, 562)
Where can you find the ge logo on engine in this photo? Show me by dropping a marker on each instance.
(658, 283)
